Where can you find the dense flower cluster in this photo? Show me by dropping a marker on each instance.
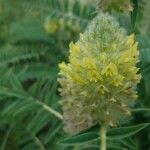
(98, 83)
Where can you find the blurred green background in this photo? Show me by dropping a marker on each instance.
(34, 38)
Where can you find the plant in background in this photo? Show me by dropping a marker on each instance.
(98, 84)
(29, 58)
(50, 26)
(117, 5)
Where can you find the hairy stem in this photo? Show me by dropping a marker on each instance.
(103, 137)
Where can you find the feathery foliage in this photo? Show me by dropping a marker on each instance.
(34, 38)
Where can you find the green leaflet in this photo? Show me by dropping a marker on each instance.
(123, 132)
(38, 121)
(128, 142)
(117, 133)
(94, 128)
(53, 131)
(80, 139)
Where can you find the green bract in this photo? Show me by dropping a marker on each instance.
(98, 83)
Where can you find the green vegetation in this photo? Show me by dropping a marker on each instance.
(34, 39)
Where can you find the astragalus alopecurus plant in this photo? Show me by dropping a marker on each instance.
(98, 83)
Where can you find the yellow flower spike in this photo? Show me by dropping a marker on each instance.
(131, 40)
(118, 80)
(100, 75)
(74, 48)
(77, 79)
(93, 78)
(93, 75)
(89, 63)
(134, 50)
(62, 66)
(110, 70)
(102, 89)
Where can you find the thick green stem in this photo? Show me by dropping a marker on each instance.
(103, 137)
